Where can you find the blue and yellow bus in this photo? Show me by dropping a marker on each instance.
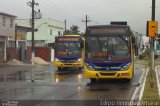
(109, 52)
(69, 52)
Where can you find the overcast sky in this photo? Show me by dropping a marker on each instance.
(135, 12)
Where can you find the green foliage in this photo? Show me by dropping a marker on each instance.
(74, 29)
(141, 56)
(155, 56)
(151, 89)
(146, 55)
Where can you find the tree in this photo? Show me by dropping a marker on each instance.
(74, 29)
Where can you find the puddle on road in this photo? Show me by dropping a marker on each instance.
(48, 75)
(68, 75)
(1, 77)
(68, 72)
(106, 85)
(27, 76)
(18, 76)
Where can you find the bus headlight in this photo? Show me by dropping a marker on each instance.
(57, 59)
(79, 60)
(126, 67)
(89, 66)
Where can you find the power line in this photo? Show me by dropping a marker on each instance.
(51, 9)
(60, 11)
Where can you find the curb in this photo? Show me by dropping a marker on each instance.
(138, 93)
(143, 85)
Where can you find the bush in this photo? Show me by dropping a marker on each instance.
(155, 56)
(141, 56)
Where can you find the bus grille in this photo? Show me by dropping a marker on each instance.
(108, 74)
(67, 64)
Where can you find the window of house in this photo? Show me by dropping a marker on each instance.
(4, 21)
(11, 23)
(50, 32)
(59, 33)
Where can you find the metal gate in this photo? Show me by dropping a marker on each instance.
(22, 51)
(1, 51)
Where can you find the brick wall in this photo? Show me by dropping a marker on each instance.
(11, 52)
(43, 52)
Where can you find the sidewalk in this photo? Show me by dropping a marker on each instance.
(2, 64)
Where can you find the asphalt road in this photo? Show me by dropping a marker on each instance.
(52, 88)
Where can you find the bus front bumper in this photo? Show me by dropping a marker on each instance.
(125, 74)
(68, 65)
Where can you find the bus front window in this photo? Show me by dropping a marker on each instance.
(108, 47)
(68, 49)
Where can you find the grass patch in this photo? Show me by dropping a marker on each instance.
(142, 62)
(151, 89)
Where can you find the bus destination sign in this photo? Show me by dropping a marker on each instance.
(68, 39)
(107, 30)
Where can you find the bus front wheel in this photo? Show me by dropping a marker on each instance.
(93, 80)
(59, 69)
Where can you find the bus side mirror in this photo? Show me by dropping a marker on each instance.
(136, 50)
(81, 44)
(133, 40)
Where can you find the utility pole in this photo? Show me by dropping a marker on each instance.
(86, 21)
(65, 23)
(31, 4)
(152, 39)
(16, 29)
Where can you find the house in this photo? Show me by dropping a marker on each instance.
(20, 37)
(20, 40)
(7, 28)
(47, 30)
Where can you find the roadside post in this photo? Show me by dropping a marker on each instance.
(152, 31)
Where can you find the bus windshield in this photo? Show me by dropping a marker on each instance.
(106, 48)
(68, 49)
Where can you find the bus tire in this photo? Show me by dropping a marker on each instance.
(128, 80)
(93, 80)
(80, 69)
(59, 69)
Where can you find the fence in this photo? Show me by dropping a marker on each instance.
(46, 53)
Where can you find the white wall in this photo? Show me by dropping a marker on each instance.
(7, 30)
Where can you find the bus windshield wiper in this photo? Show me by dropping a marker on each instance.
(126, 41)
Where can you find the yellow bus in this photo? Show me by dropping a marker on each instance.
(68, 52)
(109, 52)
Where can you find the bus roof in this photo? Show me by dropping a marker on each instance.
(71, 35)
